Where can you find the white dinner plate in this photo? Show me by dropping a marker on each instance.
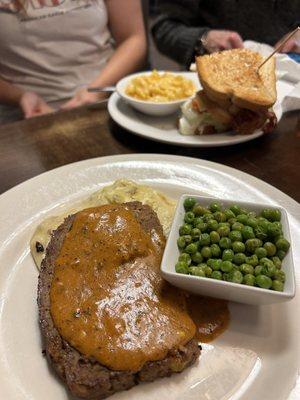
(257, 358)
(164, 129)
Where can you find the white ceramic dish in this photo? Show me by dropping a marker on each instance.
(258, 357)
(164, 129)
(150, 107)
(221, 289)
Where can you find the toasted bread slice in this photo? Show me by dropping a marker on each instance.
(231, 77)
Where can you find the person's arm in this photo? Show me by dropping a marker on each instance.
(127, 28)
(177, 33)
(30, 103)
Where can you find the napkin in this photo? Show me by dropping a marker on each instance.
(287, 68)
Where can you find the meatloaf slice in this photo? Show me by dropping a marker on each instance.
(86, 377)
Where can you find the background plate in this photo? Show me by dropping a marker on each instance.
(164, 129)
(257, 357)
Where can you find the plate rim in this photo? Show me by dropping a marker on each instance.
(149, 157)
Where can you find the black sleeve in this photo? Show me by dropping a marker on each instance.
(176, 32)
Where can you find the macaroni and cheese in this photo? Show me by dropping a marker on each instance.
(160, 87)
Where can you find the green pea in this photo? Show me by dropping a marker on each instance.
(185, 229)
(191, 248)
(181, 267)
(252, 214)
(277, 285)
(185, 258)
(258, 270)
(279, 275)
(206, 252)
(270, 248)
(236, 236)
(260, 233)
(237, 226)
(239, 258)
(223, 231)
(231, 221)
(204, 239)
(216, 275)
(242, 218)
(235, 209)
(225, 243)
(189, 217)
(207, 217)
(253, 244)
(271, 214)
(248, 232)
(263, 281)
(277, 262)
(187, 238)
(278, 223)
(195, 233)
(208, 271)
(238, 247)
(197, 220)
(202, 226)
(281, 254)
(198, 210)
(252, 222)
(260, 252)
(216, 264)
(197, 257)
(226, 224)
(252, 260)
(229, 214)
(215, 250)
(181, 242)
(247, 269)
(226, 266)
(235, 277)
(214, 237)
(266, 262)
(249, 280)
(273, 230)
(212, 225)
(220, 216)
(282, 244)
(202, 265)
(227, 255)
(214, 207)
(209, 262)
(196, 271)
(189, 203)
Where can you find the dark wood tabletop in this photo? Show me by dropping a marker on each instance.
(30, 147)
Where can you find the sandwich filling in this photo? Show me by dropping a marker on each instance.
(203, 116)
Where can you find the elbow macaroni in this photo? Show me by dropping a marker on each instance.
(160, 87)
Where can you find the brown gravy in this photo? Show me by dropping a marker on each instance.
(211, 317)
(108, 299)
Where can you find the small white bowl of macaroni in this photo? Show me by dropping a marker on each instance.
(158, 93)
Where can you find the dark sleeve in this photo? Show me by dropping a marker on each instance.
(176, 32)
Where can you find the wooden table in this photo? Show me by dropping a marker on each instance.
(28, 148)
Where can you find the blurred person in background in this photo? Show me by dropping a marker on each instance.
(53, 50)
(187, 28)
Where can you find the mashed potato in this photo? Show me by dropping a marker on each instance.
(121, 191)
(160, 87)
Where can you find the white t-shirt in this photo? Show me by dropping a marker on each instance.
(56, 47)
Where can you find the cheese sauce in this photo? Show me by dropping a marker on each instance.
(108, 299)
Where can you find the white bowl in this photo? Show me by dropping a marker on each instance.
(151, 107)
(222, 289)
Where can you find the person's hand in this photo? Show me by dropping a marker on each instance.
(33, 105)
(292, 45)
(217, 40)
(82, 97)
